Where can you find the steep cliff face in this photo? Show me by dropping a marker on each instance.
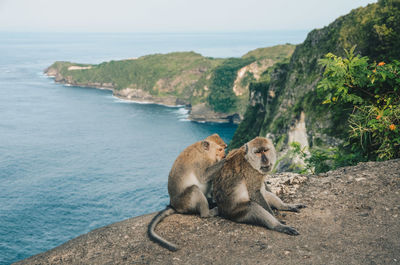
(288, 89)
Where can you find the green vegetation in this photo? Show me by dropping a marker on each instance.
(373, 90)
(222, 98)
(261, 112)
(276, 53)
(319, 160)
(146, 71)
(187, 76)
(287, 89)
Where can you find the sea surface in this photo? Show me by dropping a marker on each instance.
(74, 159)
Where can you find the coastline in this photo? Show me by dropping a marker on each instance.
(198, 113)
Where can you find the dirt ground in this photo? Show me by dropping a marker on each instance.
(352, 218)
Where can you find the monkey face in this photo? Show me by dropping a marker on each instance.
(220, 153)
(221, 145)
(260, 153)
(214, 151)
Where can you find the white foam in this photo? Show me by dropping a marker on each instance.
(182, 111)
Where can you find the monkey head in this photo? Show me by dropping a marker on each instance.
(214, 151)
(218, 140)
(261, 154)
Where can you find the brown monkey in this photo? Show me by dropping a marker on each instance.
(239, 188)
(189, 183)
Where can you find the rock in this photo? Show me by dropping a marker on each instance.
(285, 183)
(202, 112)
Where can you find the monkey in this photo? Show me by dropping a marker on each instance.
(189, 183)
(239, 188)
(217, 139)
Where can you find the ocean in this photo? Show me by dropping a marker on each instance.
(74, 159)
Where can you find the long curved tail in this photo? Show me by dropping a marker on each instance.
(156, 238)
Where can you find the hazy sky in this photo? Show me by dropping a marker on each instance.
(170, 15)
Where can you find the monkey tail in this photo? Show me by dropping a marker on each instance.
(156, 220)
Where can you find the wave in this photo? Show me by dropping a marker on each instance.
(128, 101)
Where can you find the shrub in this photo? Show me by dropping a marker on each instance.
(373, 90)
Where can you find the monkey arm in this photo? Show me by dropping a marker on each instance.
(212, 170)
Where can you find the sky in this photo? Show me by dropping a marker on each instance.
(170, 15)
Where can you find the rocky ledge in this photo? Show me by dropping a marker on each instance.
(352, 218)
(202, 113)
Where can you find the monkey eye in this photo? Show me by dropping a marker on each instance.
(260, 151)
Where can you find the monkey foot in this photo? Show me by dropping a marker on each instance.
(214, 212)
(296, 207)
(287, 230)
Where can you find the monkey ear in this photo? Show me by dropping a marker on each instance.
(206, 145)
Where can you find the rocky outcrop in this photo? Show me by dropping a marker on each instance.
(203, 113)
(351, 218)
(252, 72)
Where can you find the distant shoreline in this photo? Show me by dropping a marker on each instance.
(202, 116)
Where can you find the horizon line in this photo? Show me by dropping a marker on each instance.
(157, 32)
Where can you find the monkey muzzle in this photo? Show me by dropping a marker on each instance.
(266, 168)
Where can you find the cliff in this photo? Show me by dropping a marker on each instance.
(351, 218)
(287, 90)
(218, 87)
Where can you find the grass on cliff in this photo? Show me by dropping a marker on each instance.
(276, 53)
(222, 98)
(144, 72)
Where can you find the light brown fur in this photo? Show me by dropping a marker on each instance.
(189, 170)
(216, 139)
(189, 182)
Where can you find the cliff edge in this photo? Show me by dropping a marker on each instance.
(352, 218)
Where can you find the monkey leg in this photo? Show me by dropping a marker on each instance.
(259, 198)
(277, 203)
(192, 200)
(255, 214)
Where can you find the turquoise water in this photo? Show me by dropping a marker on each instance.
(74, 159)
